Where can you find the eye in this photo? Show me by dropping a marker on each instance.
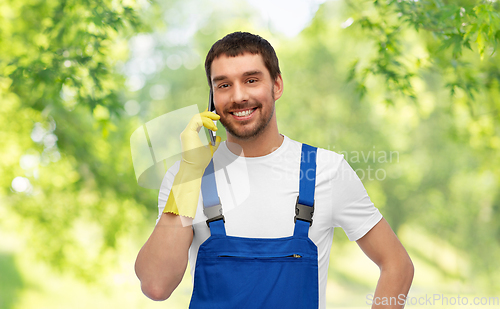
(223, 86)
(251, 81)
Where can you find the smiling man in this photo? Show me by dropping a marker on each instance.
(272, 248)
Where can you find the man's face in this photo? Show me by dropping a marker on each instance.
(244, 94)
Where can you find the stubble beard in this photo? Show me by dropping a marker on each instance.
(244, 133)
(260, 126)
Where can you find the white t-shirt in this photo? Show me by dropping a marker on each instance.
(258, 196)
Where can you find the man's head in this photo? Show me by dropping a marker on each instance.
(238, 43)
(243, 72)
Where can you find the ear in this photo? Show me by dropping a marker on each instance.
(278, 87)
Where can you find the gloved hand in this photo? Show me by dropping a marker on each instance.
(183, 198)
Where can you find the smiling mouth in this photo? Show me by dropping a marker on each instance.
(244, 113)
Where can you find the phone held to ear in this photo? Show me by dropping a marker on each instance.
(211, 108)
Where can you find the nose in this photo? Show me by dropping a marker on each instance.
(240, 94)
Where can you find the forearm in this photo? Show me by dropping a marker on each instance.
(162, 261)
(393, 285)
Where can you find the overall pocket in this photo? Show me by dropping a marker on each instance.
(248, 273)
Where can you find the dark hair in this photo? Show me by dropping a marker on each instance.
(237, 43)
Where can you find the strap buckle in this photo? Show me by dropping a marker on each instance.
(303, 212)
(214, 213)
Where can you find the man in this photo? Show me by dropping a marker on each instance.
(243, 73)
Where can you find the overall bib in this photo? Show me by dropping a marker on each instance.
(238, 272)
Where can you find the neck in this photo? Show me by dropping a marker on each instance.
(263, 144)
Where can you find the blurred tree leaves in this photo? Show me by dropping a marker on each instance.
(57, 63)
(449, 27)
(50, 46)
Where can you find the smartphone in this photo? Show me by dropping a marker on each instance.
(211, 108)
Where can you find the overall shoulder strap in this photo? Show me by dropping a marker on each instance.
(304, 207)
(212, 207)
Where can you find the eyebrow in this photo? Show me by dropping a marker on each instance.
(248, 73)
(256, 72)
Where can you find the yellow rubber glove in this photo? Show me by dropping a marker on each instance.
(183, 198)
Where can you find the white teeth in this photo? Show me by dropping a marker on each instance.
(244, 113)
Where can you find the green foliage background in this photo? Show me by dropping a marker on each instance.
(416, 79)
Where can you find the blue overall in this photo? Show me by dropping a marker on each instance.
(237, 272)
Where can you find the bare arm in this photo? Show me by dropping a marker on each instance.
(162, 261)
(382, 246)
